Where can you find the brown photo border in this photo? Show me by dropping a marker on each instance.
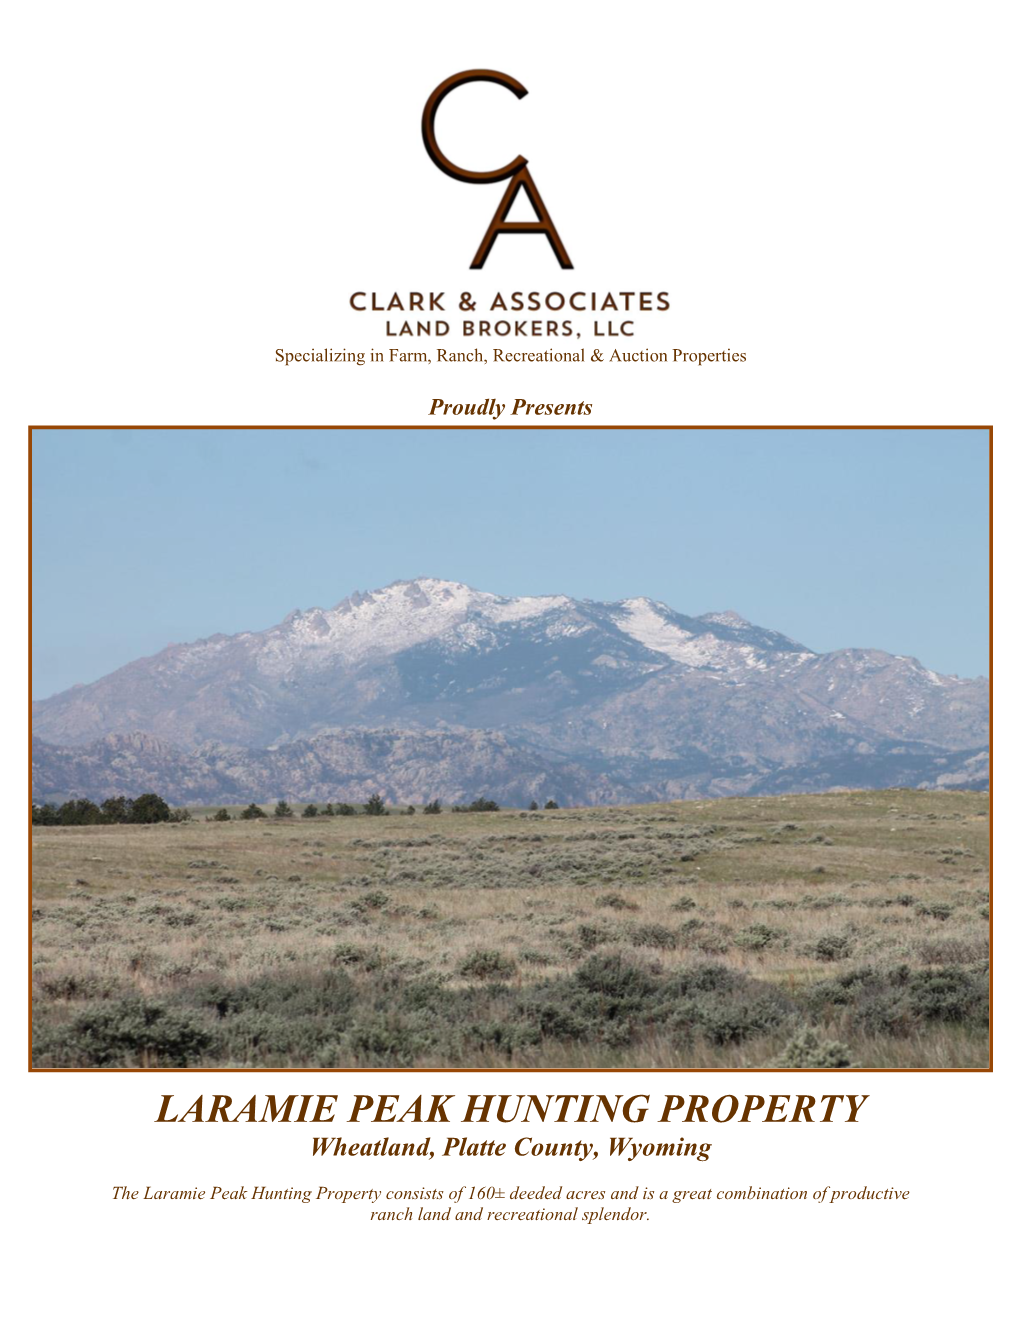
(738, 427)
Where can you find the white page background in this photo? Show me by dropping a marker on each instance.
(830, 189)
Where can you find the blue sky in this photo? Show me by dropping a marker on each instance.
(841, 538)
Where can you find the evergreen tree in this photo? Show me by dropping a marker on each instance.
(345, 809)
(149, 809)
(432, 808)
(310, 810)
(552, 805)
(534, 805)
(252, 812)
(224, 814)
(117, 810)
(375, 806)
(79, 811)
(282, 809)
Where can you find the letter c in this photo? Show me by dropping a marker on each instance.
(428, 125)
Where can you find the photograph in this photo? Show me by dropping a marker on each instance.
(487, 748)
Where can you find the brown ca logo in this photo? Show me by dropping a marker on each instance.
(517, 172)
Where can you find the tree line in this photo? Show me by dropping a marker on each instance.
(151, 809)
(375, 806)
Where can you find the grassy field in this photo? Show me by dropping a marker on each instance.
(807, 932)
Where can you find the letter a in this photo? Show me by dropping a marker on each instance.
(501, 225)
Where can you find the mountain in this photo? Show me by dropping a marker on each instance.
(342, 767)
(414, 767)
(610, 701)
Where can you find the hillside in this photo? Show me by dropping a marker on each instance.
(430, 688)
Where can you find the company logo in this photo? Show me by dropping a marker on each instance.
(517, 172)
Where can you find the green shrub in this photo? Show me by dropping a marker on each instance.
(74, 985)
(711, 978)
(384, 1040)
(350, 955)
(868, 1000)
(949, 994)
(722, 1006)
(505, 1038)
(730, 1023)
(616, 901)
(706, 936)
(428, 992)
(328, 994)
(808, 1050)
(940, 911)
(224, 814)
(590, 935)
(487, 965)
(652, 935)
(554, 1016)
(758, 936)
(621, 986)
(127, 1033)
(832, 948)
(252, 812)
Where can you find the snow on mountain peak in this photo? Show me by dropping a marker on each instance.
(730, 618)
(409, 613)
(393, 618)
(656, 626)
(452, 597)
(647, 622)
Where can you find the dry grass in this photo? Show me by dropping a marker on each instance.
(487, 939)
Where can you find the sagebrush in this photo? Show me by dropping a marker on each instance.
(846, 929)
